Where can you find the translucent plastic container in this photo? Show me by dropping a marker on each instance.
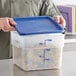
(37, 50)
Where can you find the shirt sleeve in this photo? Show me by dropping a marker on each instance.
(48, 8)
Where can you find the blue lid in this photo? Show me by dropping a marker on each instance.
(37, 25)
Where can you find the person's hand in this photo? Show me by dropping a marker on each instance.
(60, 20)
(6, 24)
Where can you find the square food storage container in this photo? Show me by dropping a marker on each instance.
(37, 43)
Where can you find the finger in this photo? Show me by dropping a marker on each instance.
(62, 22)
(12, 22)
(57, 19)
(5, 29)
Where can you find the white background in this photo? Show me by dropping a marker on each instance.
(64, 2)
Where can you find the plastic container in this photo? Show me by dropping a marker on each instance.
(37, 43)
